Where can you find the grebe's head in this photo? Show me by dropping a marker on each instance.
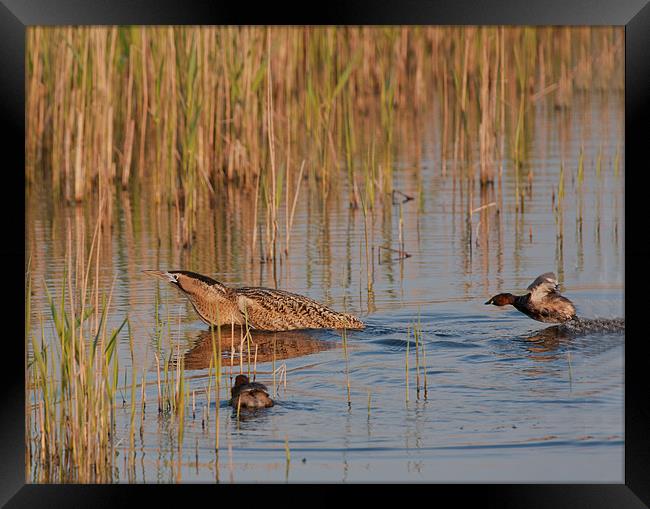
(501, 299)
(241, 380)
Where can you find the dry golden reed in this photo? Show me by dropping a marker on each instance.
(194, 108)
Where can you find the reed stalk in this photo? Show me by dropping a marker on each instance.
(406, 365)
(347, 367)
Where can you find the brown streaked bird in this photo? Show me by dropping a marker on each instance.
(250, 395)
(262, 308)
(543, 302)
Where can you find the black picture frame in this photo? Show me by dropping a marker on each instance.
(17, 15)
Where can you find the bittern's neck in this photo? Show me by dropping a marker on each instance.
(191, 282)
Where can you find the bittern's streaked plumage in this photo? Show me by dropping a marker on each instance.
(261, 308)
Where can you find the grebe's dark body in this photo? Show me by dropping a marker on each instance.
(249, 395)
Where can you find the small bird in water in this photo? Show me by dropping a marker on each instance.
(543, 302)
(260, 308)
(250, 395)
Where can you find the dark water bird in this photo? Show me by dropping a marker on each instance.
(260, 308)
(249, 395)
(543, 302)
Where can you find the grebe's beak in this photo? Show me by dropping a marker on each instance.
(488, 302)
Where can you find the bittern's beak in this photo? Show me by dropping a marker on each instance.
(165, 276)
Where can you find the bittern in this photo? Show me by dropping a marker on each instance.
(260, 308)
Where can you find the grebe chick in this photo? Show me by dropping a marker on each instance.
(543, 302)
(260, 308)
(251, 395)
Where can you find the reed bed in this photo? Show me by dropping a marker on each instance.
(72, 380)
(195, 109)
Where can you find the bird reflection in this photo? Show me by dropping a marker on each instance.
(270, 345)
(545, 342)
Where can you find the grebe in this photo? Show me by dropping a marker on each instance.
(543, 302)
(251, 395)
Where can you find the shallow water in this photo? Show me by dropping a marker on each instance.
(503, 402)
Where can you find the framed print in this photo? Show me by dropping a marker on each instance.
(389, 245)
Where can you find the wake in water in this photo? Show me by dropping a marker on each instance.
(579, 326)
(551, 338)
